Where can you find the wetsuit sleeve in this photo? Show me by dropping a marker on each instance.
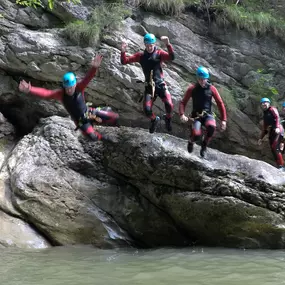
(220, 103)
(81, 85)
(46, 94)
(164, 56)
(130, 59)
(187, 96)
(275, 114)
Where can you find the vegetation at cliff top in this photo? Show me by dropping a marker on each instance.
(104, 18)
(255, 16)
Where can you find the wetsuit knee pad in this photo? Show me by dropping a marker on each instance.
(196, 132)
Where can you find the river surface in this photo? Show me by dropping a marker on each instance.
(167, 266)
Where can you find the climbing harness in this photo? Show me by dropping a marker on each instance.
(90, 117)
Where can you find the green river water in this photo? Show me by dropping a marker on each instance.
(166, 266)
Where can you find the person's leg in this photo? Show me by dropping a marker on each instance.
(210, 124)
(165, 96)
(88, 130)
(106, 115)
(147, 105)
(195, 134)
(274, 141)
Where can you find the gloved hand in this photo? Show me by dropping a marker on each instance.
(183, 118)
(223, 125)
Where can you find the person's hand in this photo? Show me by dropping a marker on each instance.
(277, 131)
(165, 39)
(259, 142)
(223, 125)
(96, 62)
(183, 118)
(24, 86)
(124, 47)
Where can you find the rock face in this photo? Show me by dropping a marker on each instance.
(15, 231)
(233, 57)
(139, 189)
(143, 190)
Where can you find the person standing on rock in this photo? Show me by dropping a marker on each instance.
(282, 121)
(274, 129)
(151, 62)
(202, 93)
(72, 97)
(282, 115)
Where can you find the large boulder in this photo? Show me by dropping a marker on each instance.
(143, 189)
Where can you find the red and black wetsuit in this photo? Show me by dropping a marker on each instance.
(152, 62)
(202, 104)
(271, 121)
(76, 106)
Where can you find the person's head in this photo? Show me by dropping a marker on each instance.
(203, 75)
(149, 42)
(69, 83)
(265, 103)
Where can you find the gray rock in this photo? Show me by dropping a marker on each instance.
(143, 189)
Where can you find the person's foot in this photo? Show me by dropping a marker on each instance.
(153, 124)
(203, 149)
(190, 147)
(168, 125)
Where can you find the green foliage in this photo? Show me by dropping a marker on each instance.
(253, 22)
(38, 3)
(30, 3)
(227, 97)
(262, 87)
(82, 32)
(104, 18)
(163, 7)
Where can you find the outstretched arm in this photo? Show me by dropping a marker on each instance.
(129, 59)
(167, 55)
(96, 62)
(43, 93)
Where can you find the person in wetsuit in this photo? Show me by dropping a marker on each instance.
(282, 116)
(150, 61)
(71, 95)
(273, 127)
(202, 93)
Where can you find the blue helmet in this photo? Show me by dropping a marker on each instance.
(202, 72)
(149, 39)
(69, 79)
(263, 100)
(283, 105)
